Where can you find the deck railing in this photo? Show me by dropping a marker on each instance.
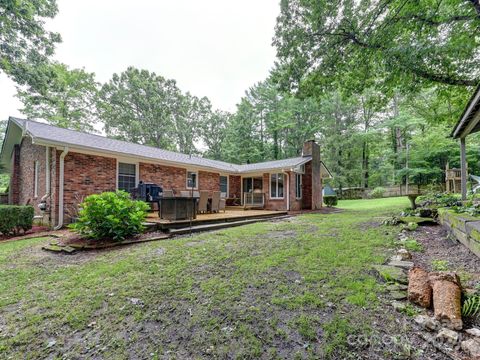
(253, 199)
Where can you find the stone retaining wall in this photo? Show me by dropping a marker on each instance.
(465, 228)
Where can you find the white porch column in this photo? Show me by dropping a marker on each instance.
(463, 167)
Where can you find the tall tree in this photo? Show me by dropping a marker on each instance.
(140, 106)
(25, 44)
(213, 133)
(67, 98)
(387, 43)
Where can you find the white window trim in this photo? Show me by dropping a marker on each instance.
(137, 171)
(227, 193)
(36, 170)
(299, 176)
(270, 184)
(186, 179)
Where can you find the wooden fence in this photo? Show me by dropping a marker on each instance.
(390, 191)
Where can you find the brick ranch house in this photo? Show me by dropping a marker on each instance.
(60, 166)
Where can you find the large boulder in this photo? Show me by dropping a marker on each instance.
(419, 290)
(447, 299)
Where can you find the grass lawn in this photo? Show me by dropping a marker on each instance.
(287, 289)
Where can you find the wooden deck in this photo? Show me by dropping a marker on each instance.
(231, 214)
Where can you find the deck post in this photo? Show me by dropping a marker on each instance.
(463, 167)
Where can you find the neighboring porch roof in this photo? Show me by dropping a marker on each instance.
(48, 135)
(469, 122)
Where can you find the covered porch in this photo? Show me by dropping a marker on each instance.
(468, 124)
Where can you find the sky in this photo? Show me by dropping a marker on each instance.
(213, 48)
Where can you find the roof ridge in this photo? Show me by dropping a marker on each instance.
(122, 141)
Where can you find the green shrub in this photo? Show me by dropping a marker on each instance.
(330, 200)
(14, 219)
(377, 193)
(110, 215)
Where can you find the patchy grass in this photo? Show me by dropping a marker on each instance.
(287, 289)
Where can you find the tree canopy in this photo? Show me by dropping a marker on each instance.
(25, 44)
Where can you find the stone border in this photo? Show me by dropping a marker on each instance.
(464, 228)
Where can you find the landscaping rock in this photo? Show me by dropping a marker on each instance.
(447, 336)
(427, 322)
(473, 331)
(398, 295)
(136, 301)
(396, 287)
(446, 299)
(404, 254)
(419, 290)
(401, 264)
(392, 273)
(471, 347)
(398, 306)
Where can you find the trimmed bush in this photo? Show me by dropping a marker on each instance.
(377, 193)
(14, 219)
(330, 200)
(110, 215)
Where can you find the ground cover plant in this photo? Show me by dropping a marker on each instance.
(302, 288)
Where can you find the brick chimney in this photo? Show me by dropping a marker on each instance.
(311, 148)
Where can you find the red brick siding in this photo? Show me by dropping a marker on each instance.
(295, 204)
(307, 186)
(85, 175)
(28, 154)
(168, 177)
(234, 186)
(273, 204)
(208, 181)
(14, 187)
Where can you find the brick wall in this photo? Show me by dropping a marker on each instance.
(85, 175)
(23, 176)
(209, 181)
(307, 186)
(168, 177)
(273, 204)
(234, 186)
(14, 187)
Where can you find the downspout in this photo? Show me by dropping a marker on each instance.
(47, 173)
(60, 188)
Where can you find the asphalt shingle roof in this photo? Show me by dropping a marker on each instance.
(61, 136)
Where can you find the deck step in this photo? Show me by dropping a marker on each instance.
(220, 220)
(223, 225)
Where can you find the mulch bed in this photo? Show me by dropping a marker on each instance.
(35, 231)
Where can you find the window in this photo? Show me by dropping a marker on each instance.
(127, 176)
(224, 185)
(36, 170)
(298, 186)
(192, 177)
(276, 186)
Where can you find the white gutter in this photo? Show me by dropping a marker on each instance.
(61, 180)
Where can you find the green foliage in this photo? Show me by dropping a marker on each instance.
(359, 43)
(67, 101)
(26, 44)
(14, 219)
(378, 192)
(439, 200)
(143, 107)
(469, 209)
(412, 245)
(439, 265)
(330, 200)
(411, 226)
(110, 215)
(471, 306)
